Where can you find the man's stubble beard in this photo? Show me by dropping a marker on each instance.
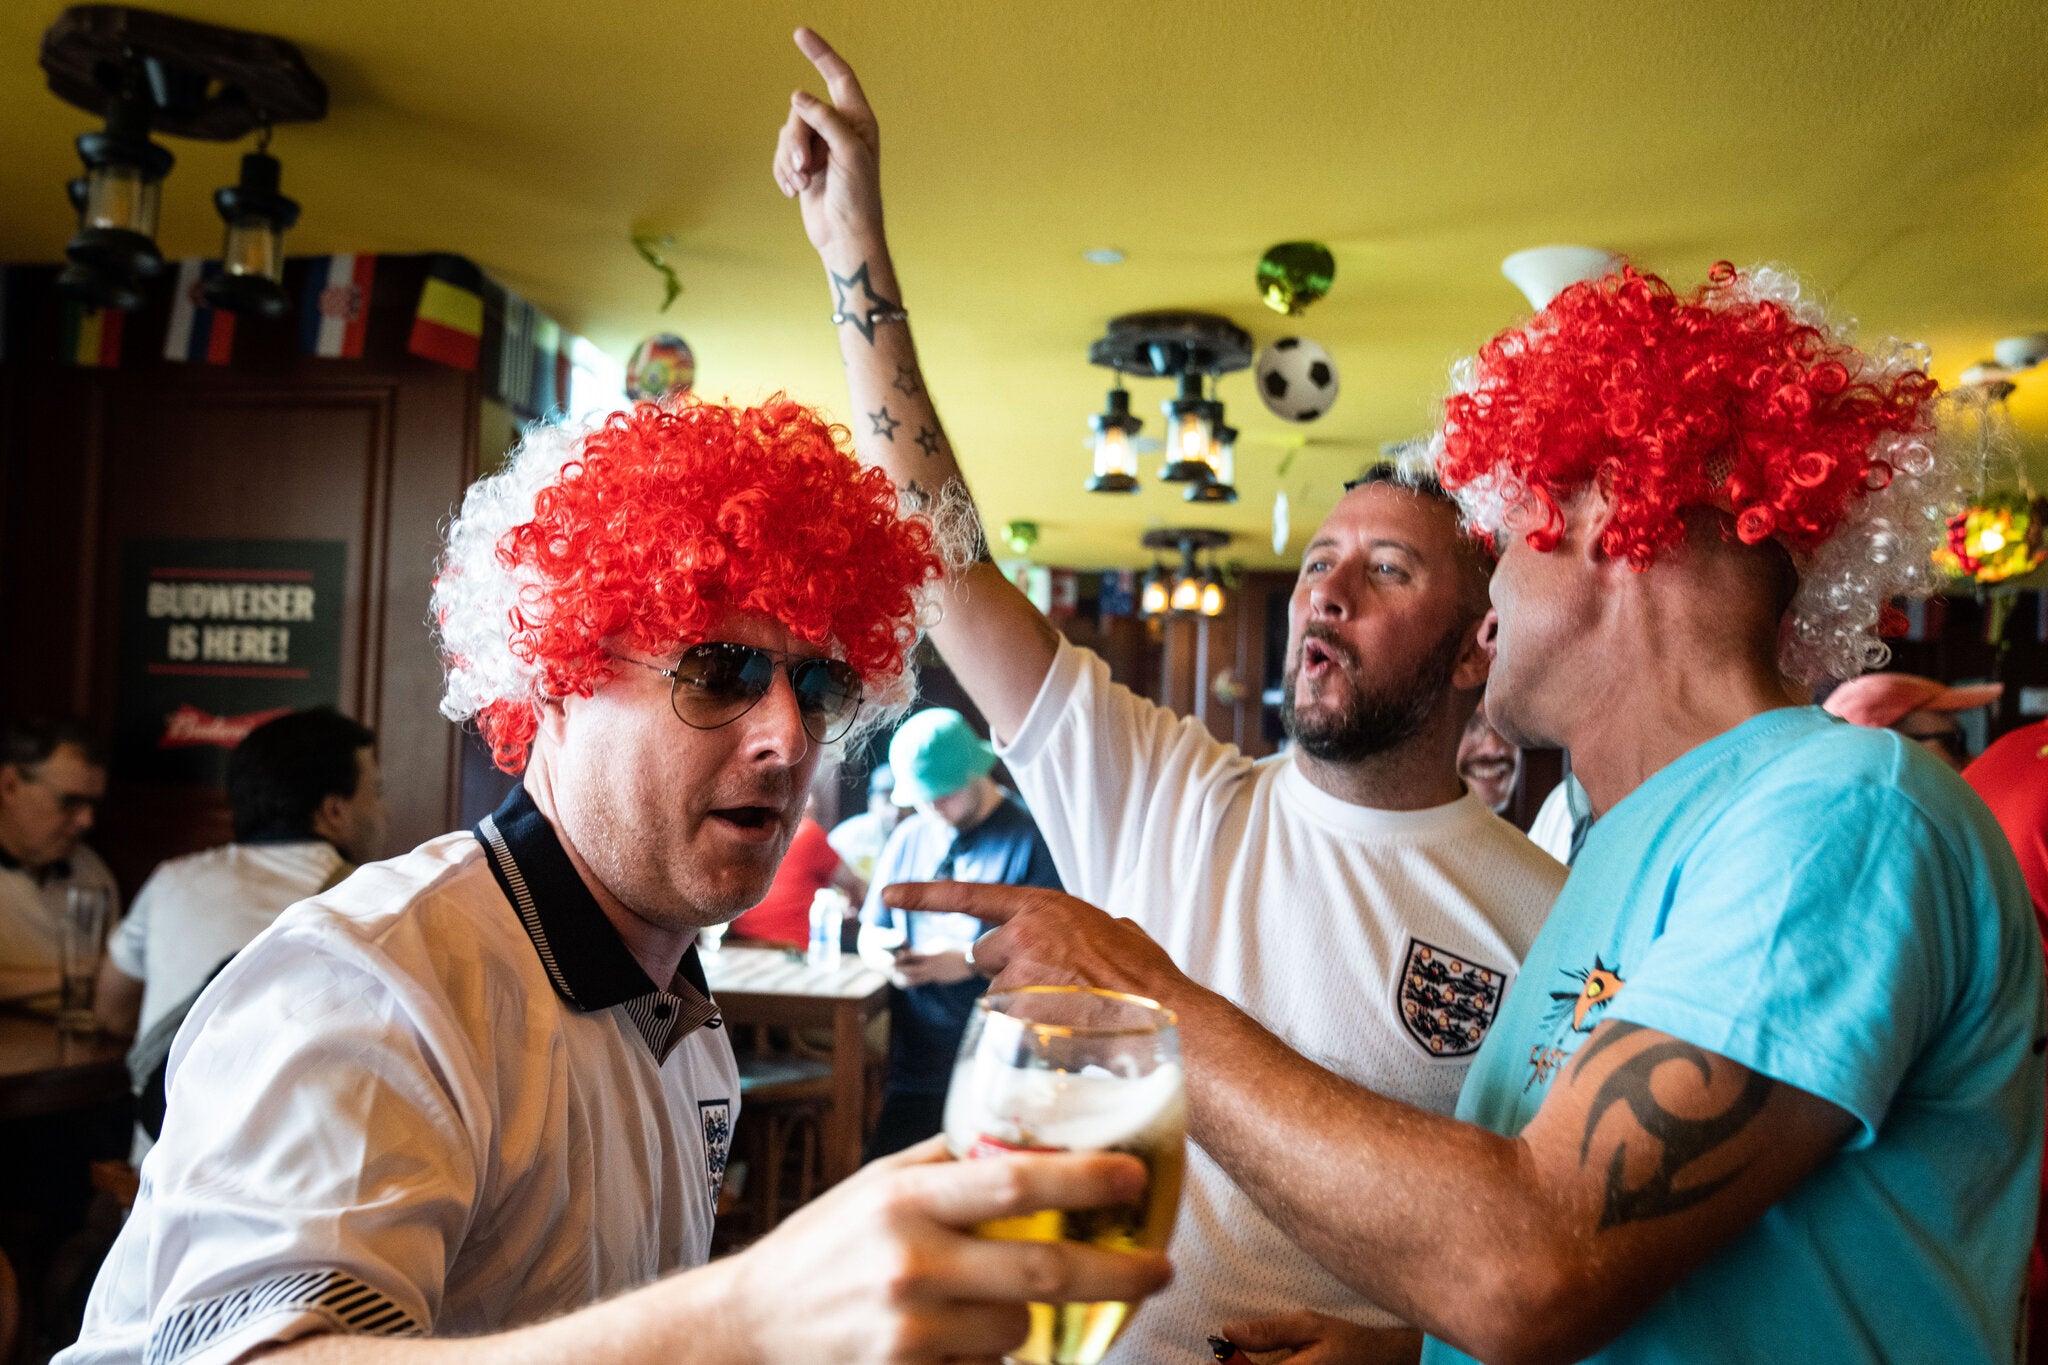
(623, 857)
(1377, 720)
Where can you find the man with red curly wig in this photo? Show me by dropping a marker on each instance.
(480, 1091)
(1770, 1085)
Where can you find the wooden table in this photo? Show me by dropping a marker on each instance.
(43, 1071)
(768, 986)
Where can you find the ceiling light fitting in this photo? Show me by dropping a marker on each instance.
(1544, 272)
(147, 72)
(1114, 428)
(1185, 347)
(257, 216)
(1191, 588)
(114, 251)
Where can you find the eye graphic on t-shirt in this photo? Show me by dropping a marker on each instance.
(1598, 985)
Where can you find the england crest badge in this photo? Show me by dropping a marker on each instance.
(717, 1118)
(1447, 1002)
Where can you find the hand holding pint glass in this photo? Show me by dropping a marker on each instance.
(1070, 1068)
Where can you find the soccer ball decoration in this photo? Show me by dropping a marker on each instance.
(662, 365)
(1297, 379)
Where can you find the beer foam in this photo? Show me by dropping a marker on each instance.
(1070, 1111)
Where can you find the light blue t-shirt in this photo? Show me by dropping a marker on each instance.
(1833, 908)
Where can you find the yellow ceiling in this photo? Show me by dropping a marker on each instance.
(1896, 153)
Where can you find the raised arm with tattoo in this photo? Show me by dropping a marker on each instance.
(997, 644)
(1647, 1156)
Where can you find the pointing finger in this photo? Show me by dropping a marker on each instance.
(840, 82)
(986, 901)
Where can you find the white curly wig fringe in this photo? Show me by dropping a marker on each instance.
(477, 597)
(1884, 546)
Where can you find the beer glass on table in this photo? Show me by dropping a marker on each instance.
(1073, 1069)
(84, 933)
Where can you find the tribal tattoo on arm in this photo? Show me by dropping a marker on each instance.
(1683, 1140)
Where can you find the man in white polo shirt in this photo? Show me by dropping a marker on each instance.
(478, 1090)
(1352, 896)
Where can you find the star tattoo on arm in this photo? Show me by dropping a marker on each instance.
(929, 441)
(854, 300)
(885, 425)
(912, 497)
(907, 382)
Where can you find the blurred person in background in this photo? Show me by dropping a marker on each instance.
(811, 865)
(2012, 777)
(1921, 709)
(1562, 821)
(966, 828)
(1490, 765)
(306, 800)
(52, 780)
(859, 838)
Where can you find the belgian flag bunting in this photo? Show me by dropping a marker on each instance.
(92, 336)
(198, 333)
(449, 325)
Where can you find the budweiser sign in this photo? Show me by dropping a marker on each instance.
(189, 726)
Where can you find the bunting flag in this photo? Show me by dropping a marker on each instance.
(334, 312)
(198, 333)
(547, 345)
(449, 325)
(92, 336)
(514, 386)
(565, 368)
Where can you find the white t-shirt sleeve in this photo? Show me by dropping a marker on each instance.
(128, 945)
(315, 1174)
(1109, 775)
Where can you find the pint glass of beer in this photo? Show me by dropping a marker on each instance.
(1072, 1069)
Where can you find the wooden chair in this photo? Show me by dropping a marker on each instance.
(784, 1093)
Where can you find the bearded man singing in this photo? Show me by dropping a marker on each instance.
(1352, 896)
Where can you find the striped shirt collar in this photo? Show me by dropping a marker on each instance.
(586, 960)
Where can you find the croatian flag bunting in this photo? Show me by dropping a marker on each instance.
(334, 314)
(197, 333)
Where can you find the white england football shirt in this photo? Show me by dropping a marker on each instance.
(441, 1098)
(1376, 943)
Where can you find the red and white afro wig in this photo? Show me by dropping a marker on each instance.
(1741, 396)
(648, 529)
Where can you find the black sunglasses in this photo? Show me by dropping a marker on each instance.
(717, 682)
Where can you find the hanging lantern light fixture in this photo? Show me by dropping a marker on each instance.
(1116, 461)
(1190, 430)
(1190, 588)
(1152, 598)
(257, 215)
(114, 251)
(1222, 486)
(1187, 583)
